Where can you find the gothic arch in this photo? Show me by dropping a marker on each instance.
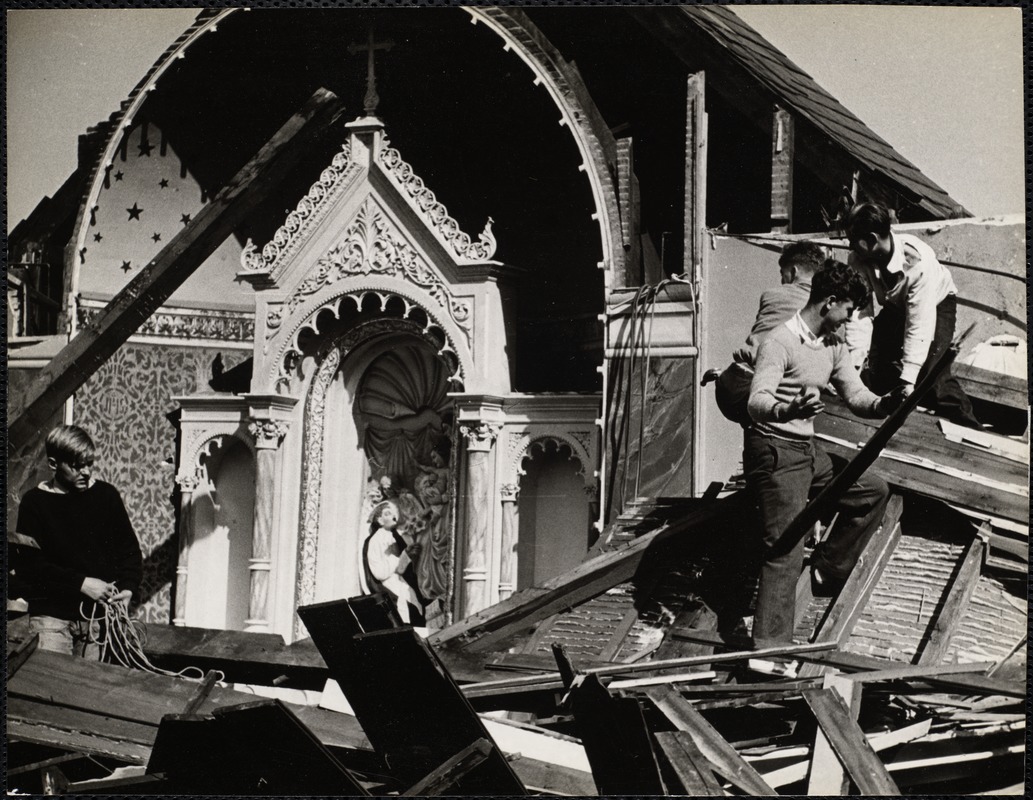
(329, 361)
(526, 445)
(518, 34)
(204, 445)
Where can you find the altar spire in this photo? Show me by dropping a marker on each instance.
(372, 99)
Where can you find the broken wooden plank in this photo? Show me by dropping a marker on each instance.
(951, 613)
(204, 688)
(827, 776)
(688, 764)
(724, 758)
(918, 671)
(258, 747)
(20, 653)
(408, 705)
(153, 285)
(849, 604)
(616, 740)
(848, 740)
(994, 387)
(486, 629)
(445, 776)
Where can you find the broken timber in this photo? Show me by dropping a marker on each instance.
(407, 703)
(143, 295)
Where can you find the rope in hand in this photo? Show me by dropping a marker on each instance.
(122, 641)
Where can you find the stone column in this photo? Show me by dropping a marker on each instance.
(510, 530)
(187, 484)
(267, 434)
(479, 440)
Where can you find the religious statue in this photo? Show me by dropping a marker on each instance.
(388, 563)
(433, 490)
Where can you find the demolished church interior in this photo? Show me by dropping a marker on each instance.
(467, 260)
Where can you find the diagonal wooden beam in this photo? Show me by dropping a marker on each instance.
(724, 758)
(827, 776)
(486, 629)
(951, 613)
(688, 764)
(440, 780)
(143, 295)
(849, 743)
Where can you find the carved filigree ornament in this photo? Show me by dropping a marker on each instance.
(480, 435)
(309, 211)
(371, 247)
(435, 213)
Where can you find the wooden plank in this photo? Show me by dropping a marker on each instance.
(725, 759)
(826, 776)
(613, 646)
(20, 653)
(446, 776)
(408, 705)
(688, 764)
(37, 765)
(918, 671)
(19, 730)
(994, 387)
(695, 221)
(487, 629)
(973, 684)
(783, 154)
(952, 612)
(849, 743)
(616, 740)
(204, 688)
(849, 605)
(156, 282)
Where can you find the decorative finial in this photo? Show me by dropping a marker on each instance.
(372, 99)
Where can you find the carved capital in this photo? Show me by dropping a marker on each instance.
(509, 492)
(188, 481)
(480, 435)
(592, 491)
(267, 433)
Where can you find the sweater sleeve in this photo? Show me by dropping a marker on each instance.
(39, 570)
(848, 385)
(919, 322)
(126, 559)
(772, 360)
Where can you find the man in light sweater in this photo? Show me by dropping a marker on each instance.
(797, 264)
(918, 302)
(784, 465)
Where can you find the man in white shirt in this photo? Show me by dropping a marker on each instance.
(918, 302)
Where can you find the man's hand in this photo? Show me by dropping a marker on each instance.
(805, 405)
(122, 597)
(98, 590)
(895, 398)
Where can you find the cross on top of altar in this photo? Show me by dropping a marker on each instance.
(372, 99)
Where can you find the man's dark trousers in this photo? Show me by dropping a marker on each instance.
(783, 475)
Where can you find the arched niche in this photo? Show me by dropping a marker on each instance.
(222, 525)
(554, 510)
(376, 407)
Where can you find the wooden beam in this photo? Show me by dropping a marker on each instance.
(616, 740)
(143, 295)
(827, 776)
(919, 671)
(688, 764)
(204, 688)
(783, 153)
(725, 759)
(445, 777)
(20, 653)
(695, 176)
(487, 629)
(849, 743)
(849, 605)
(952, 612)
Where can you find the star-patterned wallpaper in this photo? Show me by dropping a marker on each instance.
(148, 196)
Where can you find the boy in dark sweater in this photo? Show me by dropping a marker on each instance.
(88, 552)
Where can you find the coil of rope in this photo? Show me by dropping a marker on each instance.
(121, 640)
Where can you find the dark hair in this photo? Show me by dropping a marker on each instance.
(837, 280)
(69, 444)
(805, 255)
(867, 218)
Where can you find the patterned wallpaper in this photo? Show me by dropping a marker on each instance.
(124, 407)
